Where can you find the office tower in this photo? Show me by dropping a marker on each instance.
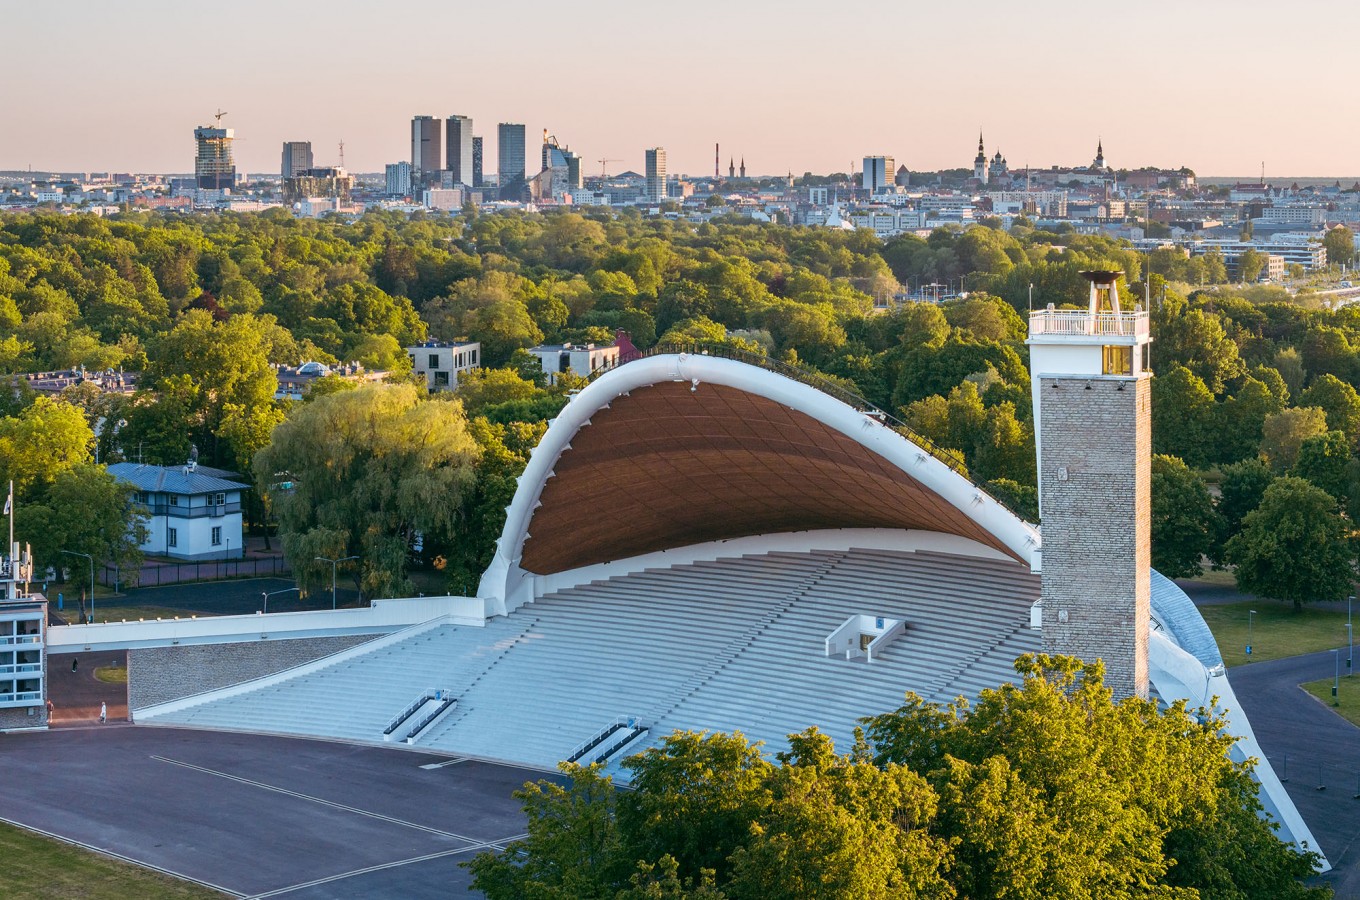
(478, 179)
(878, 171)
(510, 159)
(214, 168)
(427, 146)
(458, 149)
(656, 173)
(297, 158)
(399, 179)
(564, 165)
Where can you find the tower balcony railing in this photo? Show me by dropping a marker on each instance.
(1082, 322)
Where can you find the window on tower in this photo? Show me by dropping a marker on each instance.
(1118, 360)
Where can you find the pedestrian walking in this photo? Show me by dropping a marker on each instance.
(74, 663)
(103, 713)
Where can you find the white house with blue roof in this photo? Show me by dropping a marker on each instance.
(195, 511)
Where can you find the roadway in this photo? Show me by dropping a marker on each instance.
(259, 816)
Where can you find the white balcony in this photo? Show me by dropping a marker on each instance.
(1080, 323)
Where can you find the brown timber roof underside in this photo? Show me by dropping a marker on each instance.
(667, 467)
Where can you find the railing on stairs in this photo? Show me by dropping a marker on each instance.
(415, 706)
(631, 724)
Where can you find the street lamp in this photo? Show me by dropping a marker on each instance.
(333, 563)
(268, 594)
(1336, 682)
(1350, 648)
(1250, 614)
(91, 559)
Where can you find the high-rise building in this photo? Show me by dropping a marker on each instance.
(458, 149)
(399, 179)
(478, 178)
(510, 159)
(297, 158)
(878, 173)
(656, 174)
(427, 146)
(214, 168)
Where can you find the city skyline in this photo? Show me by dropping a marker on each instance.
(920, 99)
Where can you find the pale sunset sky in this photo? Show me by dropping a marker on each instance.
(1217, 85)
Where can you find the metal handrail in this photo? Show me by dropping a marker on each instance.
(951, 458)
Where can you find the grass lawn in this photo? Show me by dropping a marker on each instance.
(1347, 704)
(1219, 577)
(1277, 631)
(39, 867)
(111, 674)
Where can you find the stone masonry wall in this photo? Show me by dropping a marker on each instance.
(1095, 471)
(160, 674)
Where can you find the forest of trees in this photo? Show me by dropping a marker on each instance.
(1255, 388)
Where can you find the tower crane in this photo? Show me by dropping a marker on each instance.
(604, 166)
(219, 115)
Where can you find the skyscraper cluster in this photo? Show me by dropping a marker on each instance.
(445, 153)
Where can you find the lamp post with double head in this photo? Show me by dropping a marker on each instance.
(333, 563)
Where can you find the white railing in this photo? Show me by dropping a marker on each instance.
(21, 697)
(20, 669)
(1082, 322)
(21, 639)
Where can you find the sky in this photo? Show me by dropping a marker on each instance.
(1221, 86)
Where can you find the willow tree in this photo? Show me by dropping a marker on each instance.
(367, 473)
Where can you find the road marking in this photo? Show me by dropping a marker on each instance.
(120, 857)
(448, 762)
(330, 879)
(331, 803)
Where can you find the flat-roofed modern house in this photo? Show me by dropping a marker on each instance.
(194, 511)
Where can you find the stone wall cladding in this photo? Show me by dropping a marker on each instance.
(19, 717)
(1097, 523)
(160, 674)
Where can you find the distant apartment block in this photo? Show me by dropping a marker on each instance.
(579, 359)
(297, 158)
(444, 199)
(878, 173)
(427, 150)
(399, 179)
(441, 362)
(458, 151)
(656, 174)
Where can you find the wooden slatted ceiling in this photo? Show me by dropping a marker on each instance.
(666, 467)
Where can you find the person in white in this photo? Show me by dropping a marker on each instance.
(103, 713)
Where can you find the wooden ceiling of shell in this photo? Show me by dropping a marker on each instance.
(667, 467)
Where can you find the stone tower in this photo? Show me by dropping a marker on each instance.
(980, 162)
(1093, 434)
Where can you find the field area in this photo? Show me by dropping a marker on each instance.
(39, 867)
(1276, 630)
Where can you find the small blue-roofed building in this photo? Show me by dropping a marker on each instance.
(194, 511)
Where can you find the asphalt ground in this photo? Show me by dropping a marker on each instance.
(241, 596)
(76, 694)
(1315, 749)
(260, 816)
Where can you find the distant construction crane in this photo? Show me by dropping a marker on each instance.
(604, 166)
(219, 115)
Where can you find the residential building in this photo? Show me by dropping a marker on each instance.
(1305, 216)
(444, 199)
(578, 359)
(295, 381)
(1304, 250)
(194, 511)
(330, 182)
(297, 158)
(214, 167)
(510, 160)
(23, 644)
(478, 178)
(399, 179)
(427, 150)
(656, 174)
(877, 173)
(441, 362)
(458, 150)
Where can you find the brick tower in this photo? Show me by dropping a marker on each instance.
(1093, 434)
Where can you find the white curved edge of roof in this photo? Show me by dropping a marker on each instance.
(505, 585)
(1179, 675)
(1178, 615)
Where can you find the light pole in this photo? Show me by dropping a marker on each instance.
(268, 594)
(1350, 648)
(333, 563)
(91, 559)
(1336, 682)
(1250, 614)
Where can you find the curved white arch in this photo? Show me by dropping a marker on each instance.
(505, 585)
